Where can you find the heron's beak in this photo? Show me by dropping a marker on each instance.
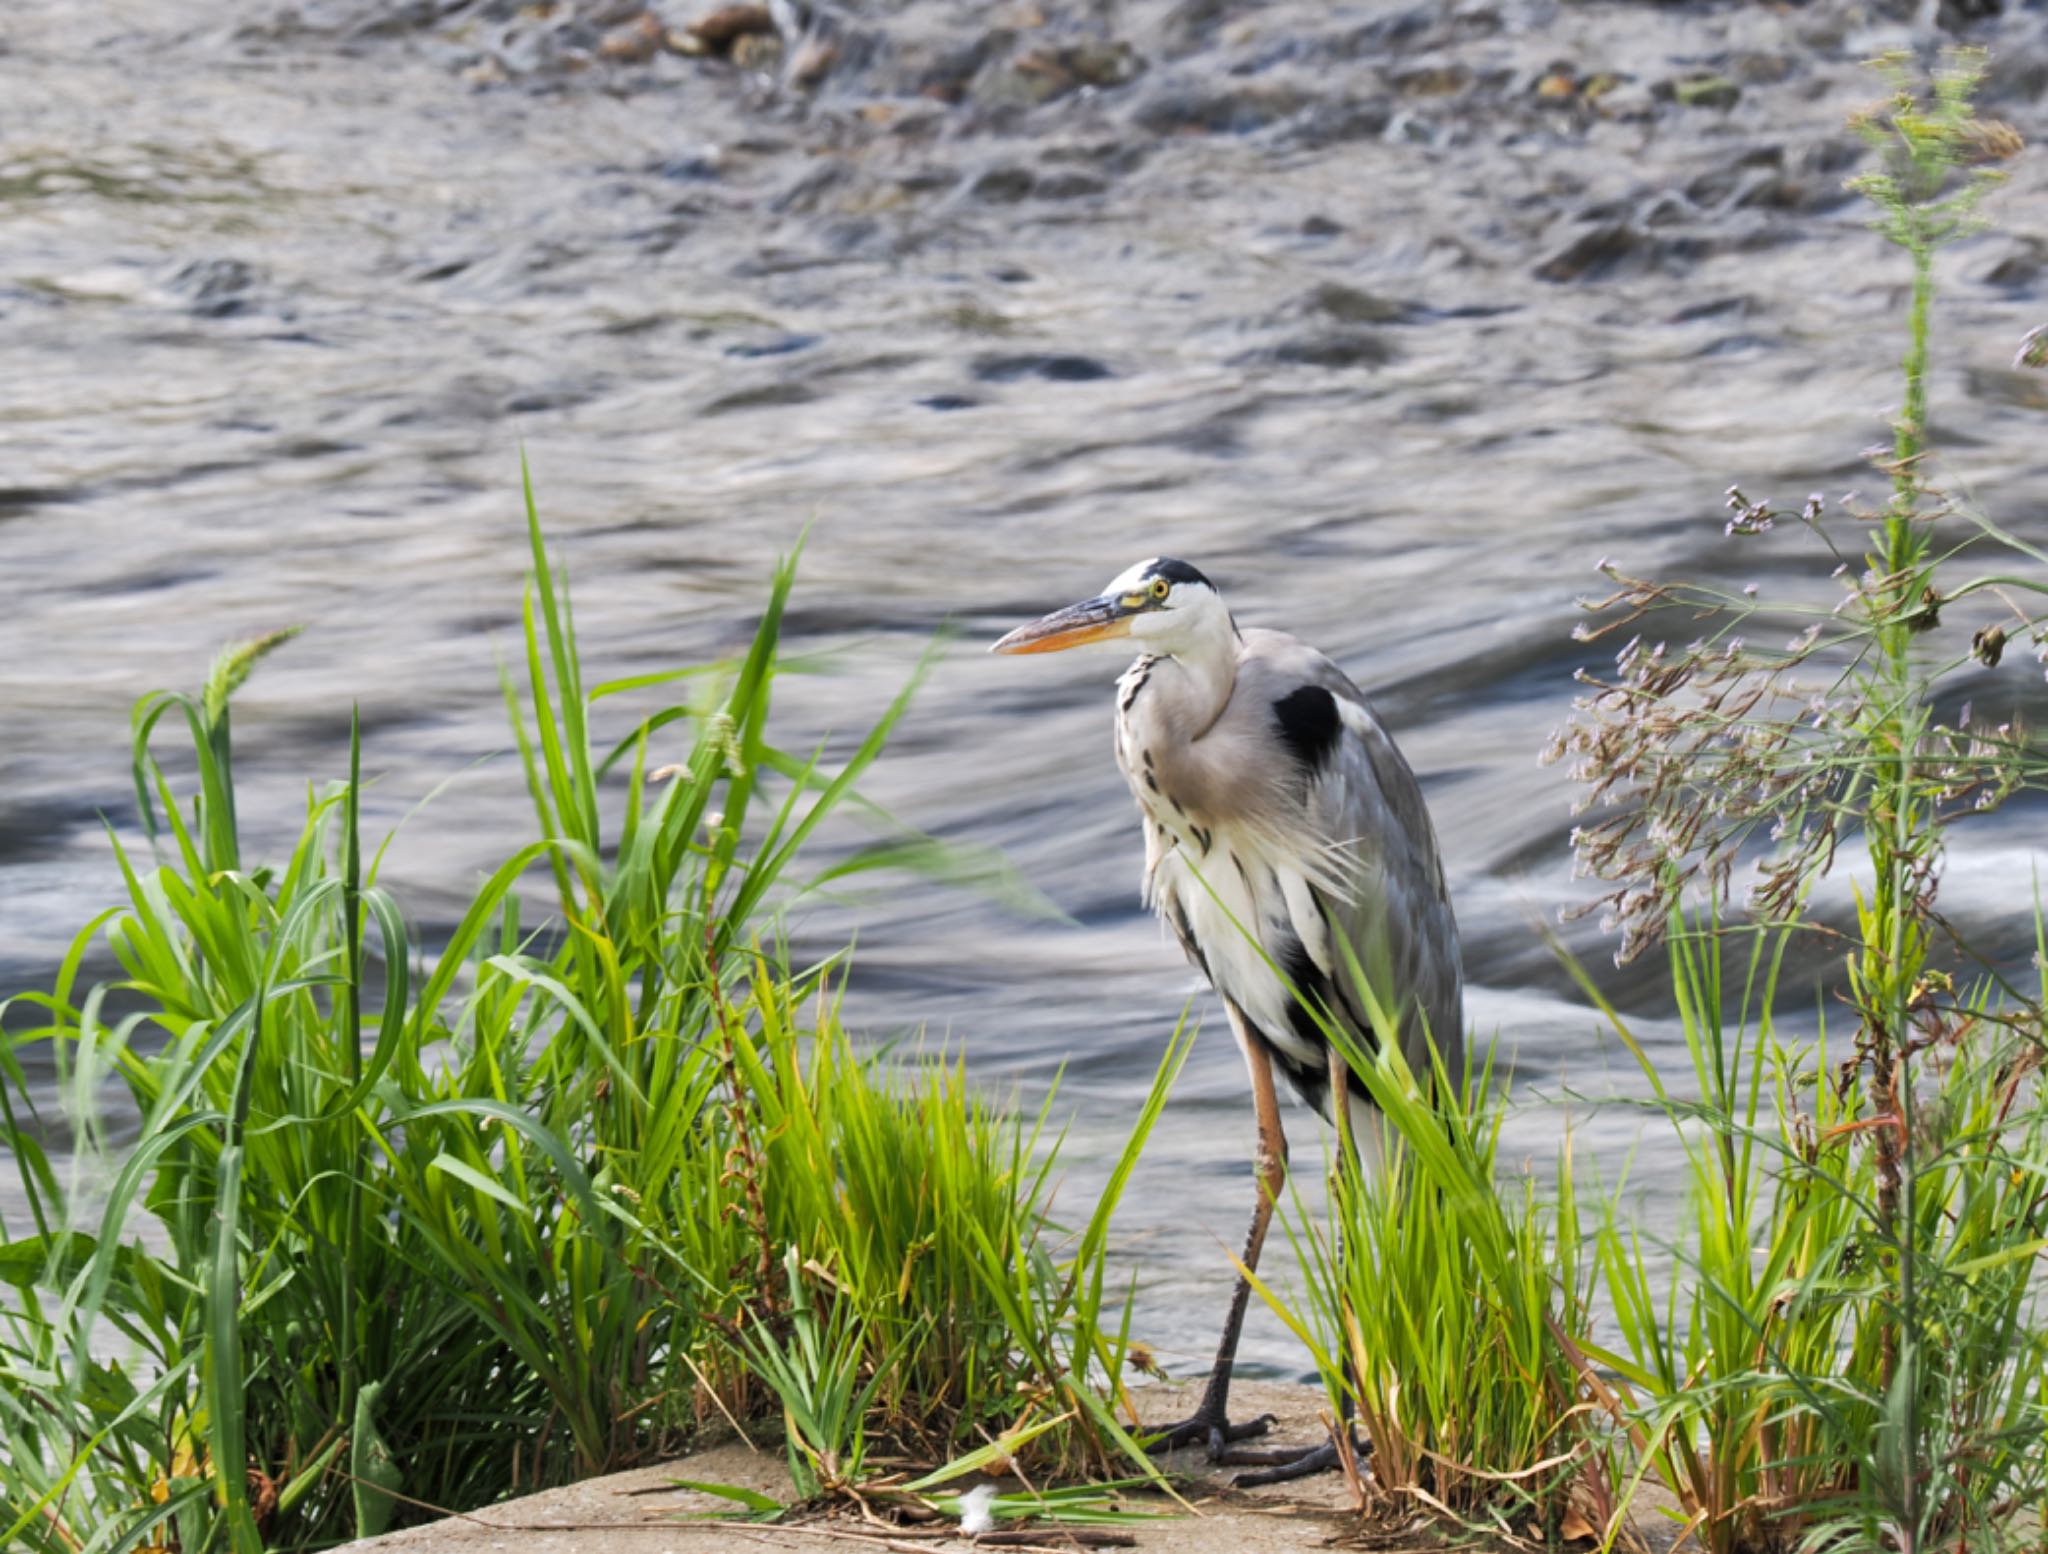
(1092, 620)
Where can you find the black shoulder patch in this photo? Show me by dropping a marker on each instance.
(1309, 723)
(1176, 572)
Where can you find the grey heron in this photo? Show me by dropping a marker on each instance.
(1274, 799)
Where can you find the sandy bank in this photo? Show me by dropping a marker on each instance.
(641, 1512)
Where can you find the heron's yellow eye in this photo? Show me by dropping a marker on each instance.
(1161, 588)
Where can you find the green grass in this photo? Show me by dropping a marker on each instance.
(1441, 1305)
(1758, 1383)
(924, 1217)
(932, 1304)
(410, 1226)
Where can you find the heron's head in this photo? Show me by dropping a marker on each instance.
(1163, 603)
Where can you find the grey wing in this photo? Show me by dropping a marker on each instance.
(1385, 891)
(1396, 912)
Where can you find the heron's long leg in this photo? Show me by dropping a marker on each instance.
(1361, 1130)
(1271, 1169)
(1210, 1422)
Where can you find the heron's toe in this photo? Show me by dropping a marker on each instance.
(1281, 1465)
(1221, 1436)
(1214, 1434)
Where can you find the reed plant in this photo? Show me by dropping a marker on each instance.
(403, 1228)
(1851, 1355)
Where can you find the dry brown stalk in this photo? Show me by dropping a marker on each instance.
(744, 1162)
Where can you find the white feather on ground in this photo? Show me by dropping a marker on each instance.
(977, 1511)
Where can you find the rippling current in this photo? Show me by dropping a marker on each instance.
(1394, 319)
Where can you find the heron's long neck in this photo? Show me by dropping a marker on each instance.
(1206, 661)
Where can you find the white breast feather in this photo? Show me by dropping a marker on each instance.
(1222, 906)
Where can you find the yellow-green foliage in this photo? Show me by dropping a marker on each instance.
(467, 1219)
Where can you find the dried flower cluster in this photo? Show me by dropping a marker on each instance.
(1697, 759)
(1760, 517)
(1688, 754)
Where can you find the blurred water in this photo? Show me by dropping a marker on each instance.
(1331, 298)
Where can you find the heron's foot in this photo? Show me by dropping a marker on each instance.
(1284, 1464)
(1211, 1431)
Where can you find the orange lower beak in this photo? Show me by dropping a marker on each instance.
(1093, 620)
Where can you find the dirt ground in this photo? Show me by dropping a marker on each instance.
(642, 1512)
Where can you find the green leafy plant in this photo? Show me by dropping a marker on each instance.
(1727, 1376)
(1753, 1384)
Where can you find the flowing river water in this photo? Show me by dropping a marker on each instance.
(1394, 319)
